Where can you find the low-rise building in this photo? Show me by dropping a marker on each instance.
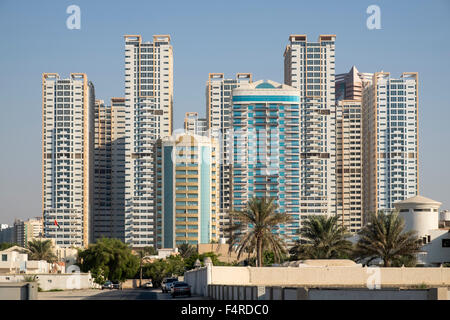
(421, 214)
(15, 260)
(444, 219)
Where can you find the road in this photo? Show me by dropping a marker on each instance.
(127, 294)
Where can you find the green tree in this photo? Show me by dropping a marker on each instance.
(142, 253)
(254, 229)
(405, 261)
(186, 250)
(109, 259)
(161, 268)
(41, 250)
(189, 262)
(322, 237)
(268, 259)
(384, 238)
(6, 245)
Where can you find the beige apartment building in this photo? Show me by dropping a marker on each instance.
(195, 125)
(109, 171)
(348, 164)
(349, 88)
(27, 230)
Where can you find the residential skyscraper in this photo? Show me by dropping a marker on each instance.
(6, 233)
(310, 68)
(67, 158)
(349, 164)
(349, 87)
(218, 115)
(390, 140)
(109, 172)
(148, 104)
(188, 188)
(266, 149)
(25, 231)
(195, 125)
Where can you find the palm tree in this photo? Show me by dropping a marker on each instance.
(41, 250)
(322, 238)
(253, 229)
(186, 250)
(384, 238)
(142, 254)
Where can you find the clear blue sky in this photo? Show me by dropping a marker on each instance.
(210, 36)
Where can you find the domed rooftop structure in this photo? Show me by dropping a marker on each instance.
(265, 85)
(418, 200)
(420, 214)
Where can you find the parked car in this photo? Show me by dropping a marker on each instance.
(117, 285)
(165, 285)
(147, 285)
(169, 286)
(180, 288)
(107, 285)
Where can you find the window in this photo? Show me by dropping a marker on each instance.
(4, 257)
(445, 243)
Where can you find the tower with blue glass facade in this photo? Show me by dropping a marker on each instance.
(265, 148)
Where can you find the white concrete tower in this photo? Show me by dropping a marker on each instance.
(67, 158)
(148, 102)
(390, 140)
(310, 67)
(218, 116)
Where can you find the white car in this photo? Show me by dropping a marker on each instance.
(165, 285)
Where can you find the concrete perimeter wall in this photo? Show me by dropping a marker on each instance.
(60, 281)
(198, 280)
(18, 291)
(205, 279)
(330, 276)
(232, 292)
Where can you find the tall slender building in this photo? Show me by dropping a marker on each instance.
(349, 164)
(266, 149)
(349, 88)
(148, 104)
(187, 173)
(109, 163)
(218, 116)
(195, 125)
(390, 140)
(310, 68)
(67, 158)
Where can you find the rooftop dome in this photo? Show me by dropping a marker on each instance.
(265, 85)
(418, 200)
